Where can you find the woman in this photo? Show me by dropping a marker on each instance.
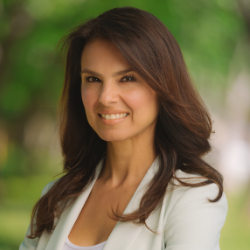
(133, 133)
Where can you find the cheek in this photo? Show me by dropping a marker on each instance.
(88, 99)
(143, 101)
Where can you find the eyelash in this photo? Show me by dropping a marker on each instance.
(127, 76)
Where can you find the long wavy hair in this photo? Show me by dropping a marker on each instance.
(183, 125)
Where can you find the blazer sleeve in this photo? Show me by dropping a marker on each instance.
(194, 223)
(31, 244)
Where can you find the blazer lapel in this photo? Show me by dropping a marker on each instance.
(125, 233)
(69, 216)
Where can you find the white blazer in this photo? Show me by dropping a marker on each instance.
(185, 220)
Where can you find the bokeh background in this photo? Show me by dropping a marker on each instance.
(214, 36)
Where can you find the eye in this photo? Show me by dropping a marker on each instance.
(92, 79)
(128, 78)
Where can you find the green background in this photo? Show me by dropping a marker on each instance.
(213, 36)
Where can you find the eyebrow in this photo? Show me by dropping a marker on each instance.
(97, 74)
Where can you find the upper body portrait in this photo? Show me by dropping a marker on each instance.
(133, 134)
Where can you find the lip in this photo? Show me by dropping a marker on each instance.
(112, 121)
(109, 112)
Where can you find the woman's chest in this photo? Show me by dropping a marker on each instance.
(94, 223)
(124, 236)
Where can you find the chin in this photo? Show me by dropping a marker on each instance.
(112, 137)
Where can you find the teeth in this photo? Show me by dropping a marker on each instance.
(113, 116)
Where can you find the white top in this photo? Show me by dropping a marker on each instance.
(183, 220)
(70, 246)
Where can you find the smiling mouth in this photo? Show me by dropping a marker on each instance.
(113, 116)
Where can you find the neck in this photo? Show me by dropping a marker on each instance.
(128, 160)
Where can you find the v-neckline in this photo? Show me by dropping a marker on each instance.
(145, 180)
(70, 215)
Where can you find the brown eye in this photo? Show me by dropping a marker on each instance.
(128, 79)
(92, 79)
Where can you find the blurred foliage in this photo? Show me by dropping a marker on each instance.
(31, 78)
(31, 73)
(236, 231)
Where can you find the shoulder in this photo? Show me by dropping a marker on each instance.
(190, 218)
(28, 243)
(47, 187)
(192, 195)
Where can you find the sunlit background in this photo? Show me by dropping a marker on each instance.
(214, 36)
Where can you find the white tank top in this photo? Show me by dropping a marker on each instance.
(70, 246)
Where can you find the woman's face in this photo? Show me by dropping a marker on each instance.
(119, 104)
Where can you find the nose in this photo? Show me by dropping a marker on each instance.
(109, 93)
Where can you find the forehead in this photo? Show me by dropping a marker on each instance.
(102, 52)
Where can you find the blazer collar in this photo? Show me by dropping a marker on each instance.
(116, 239)
(125, 233)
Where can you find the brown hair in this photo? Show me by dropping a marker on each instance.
(183, 126)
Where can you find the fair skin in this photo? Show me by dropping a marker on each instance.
(107, 91)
